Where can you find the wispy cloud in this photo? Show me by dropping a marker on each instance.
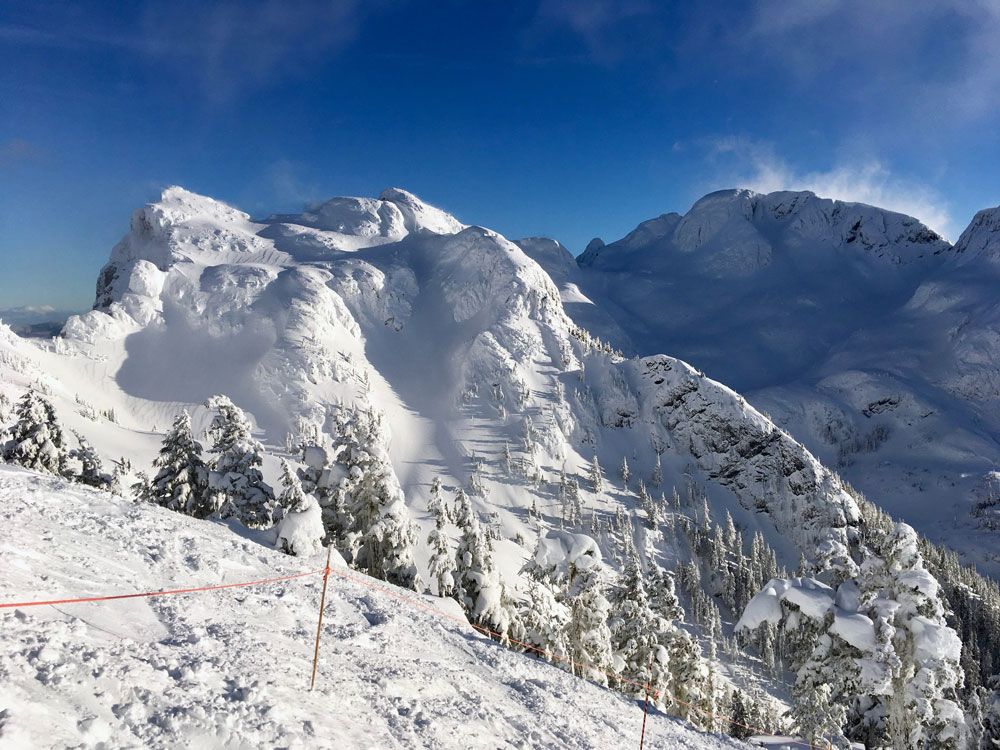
(222, 49)
(608, 29)
(898, 54)
(18, 150)
(756, 165)
(229, 47)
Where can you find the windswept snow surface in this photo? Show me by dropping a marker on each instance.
(231, 668)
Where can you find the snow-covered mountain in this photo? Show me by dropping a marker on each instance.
(860, 331)
(452, 331)
(496, 367)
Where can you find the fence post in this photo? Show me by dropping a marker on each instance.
(319, 627)
(645, 711)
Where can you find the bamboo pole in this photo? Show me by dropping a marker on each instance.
(319, 627)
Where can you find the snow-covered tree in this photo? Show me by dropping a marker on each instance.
(739, 717)
(371, 524)
(819, 714)
(300, 527)
(238, 487)
(596, 476)
(657, 478)
(882, 666)
(91, 470)
(587, 632)
(476, 486)
(36, 440)
(442, 563)
(181, 481)
(292, 495)
(118, 475)
(624, 472)
(477, 587)
(142, 488)
(546, 620)
(919, 654)
(642, 661)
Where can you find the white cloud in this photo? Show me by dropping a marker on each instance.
(861, 180)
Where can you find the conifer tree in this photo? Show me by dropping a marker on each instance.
(657, 479)
(118, 474)
(91, 467)
(237, 484)
(181, 481)
(545, 620)
(739, 719)
(442, 563)
(300, 527)
(587, 632)
(372, 529)
(142, 488)
(596, 476)
(36, 440)
(292, 495)
(624, 472)
(635, 634)
(477, 587)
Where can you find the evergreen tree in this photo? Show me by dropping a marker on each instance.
(476, 486)
(624, 472)
(478, 588)
(635, 633)
(117, 476)
(372, 527)
(300, 527)
(587, 632)
(442, 563)
(237, 484)
(991, 715)
(739, 717)
(292, 495)
(818, 715)
(649, 507)
(36, 440)
(546, 620)
(657, 479)
(596, 476)
(142, 488)
(181, 481)
(91, 468)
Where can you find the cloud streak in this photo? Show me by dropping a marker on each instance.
(757, 166)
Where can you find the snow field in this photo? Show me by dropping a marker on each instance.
(230, 669)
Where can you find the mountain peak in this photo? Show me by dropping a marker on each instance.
(419, 215)
(981, 239)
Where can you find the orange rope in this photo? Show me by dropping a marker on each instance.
(163, 592)
(369, 582)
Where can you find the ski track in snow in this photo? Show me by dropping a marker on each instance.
(231, 668)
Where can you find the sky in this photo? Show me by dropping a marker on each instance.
(564, 118)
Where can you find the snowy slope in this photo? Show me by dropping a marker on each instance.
(231, 668)
(861, 332)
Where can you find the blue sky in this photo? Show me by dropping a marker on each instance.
(565, 118)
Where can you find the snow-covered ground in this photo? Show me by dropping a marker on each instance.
(231, 668)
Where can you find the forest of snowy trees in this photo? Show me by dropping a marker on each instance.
(869, 656)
